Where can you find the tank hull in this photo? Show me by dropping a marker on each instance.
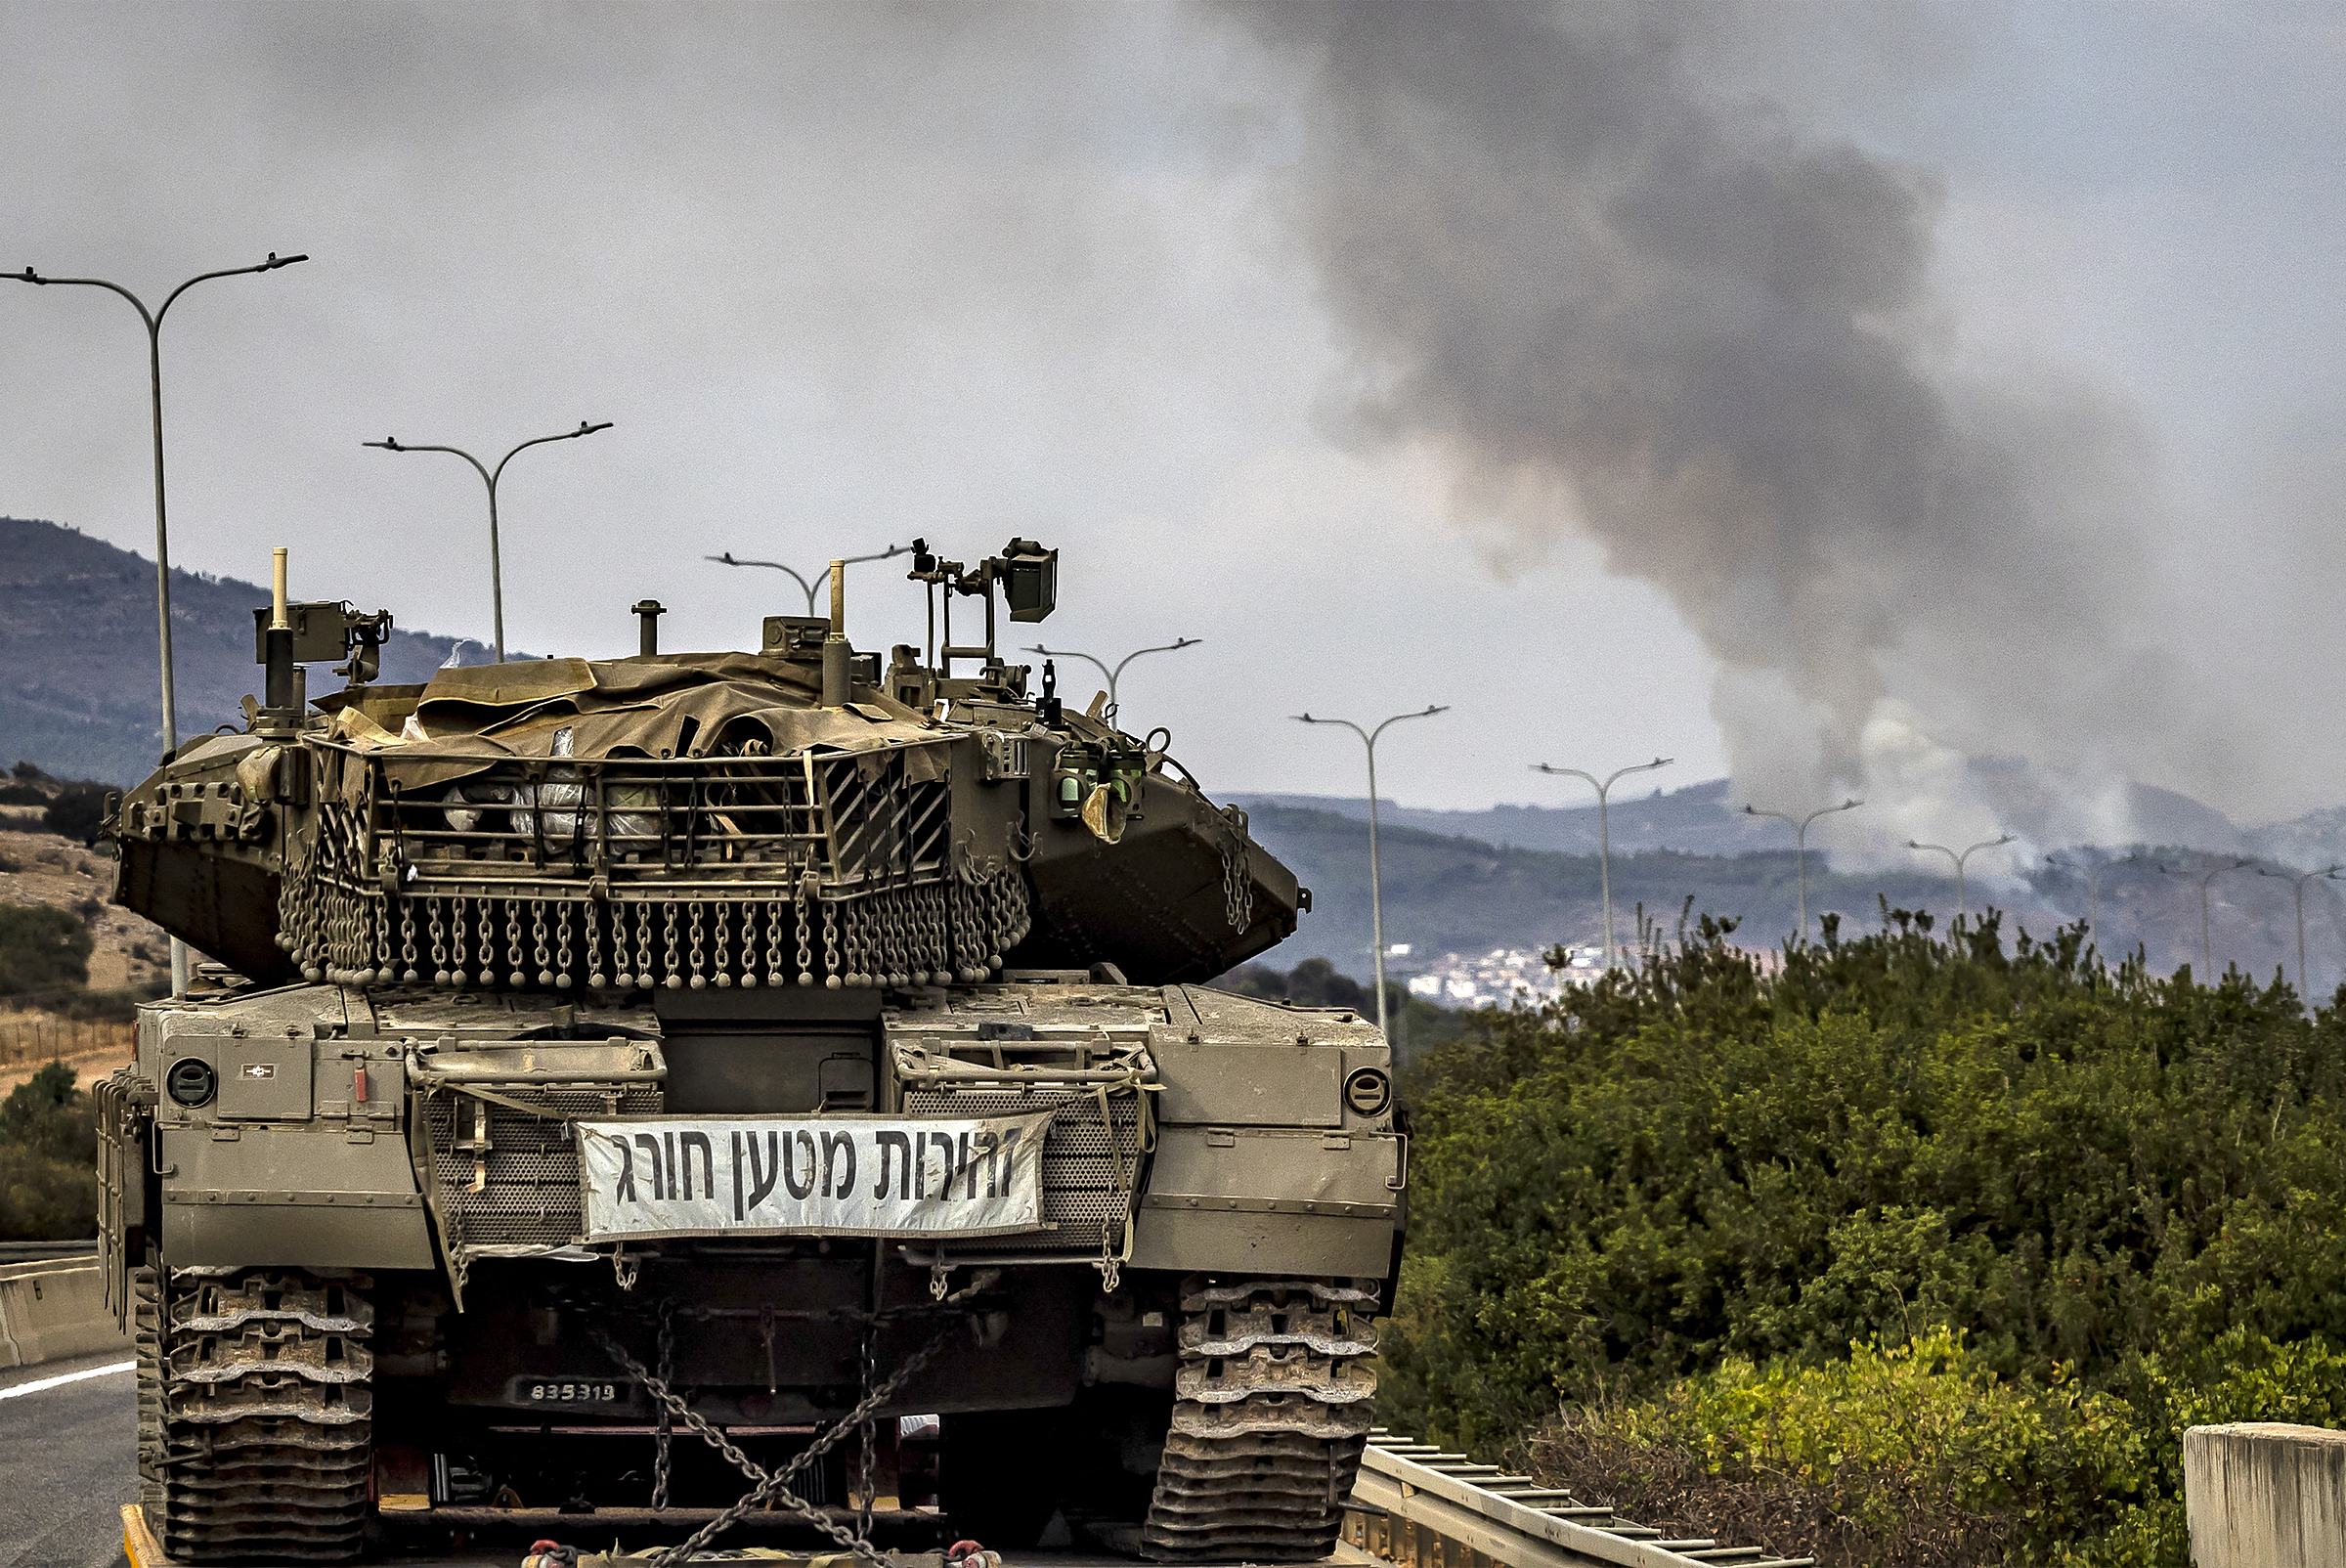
(430, 1157)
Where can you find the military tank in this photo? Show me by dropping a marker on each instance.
(628, 1082)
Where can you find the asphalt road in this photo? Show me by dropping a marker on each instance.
(67, 1463)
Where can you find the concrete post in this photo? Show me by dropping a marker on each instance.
(2264, 1494)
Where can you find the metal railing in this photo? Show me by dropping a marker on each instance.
(1419, 1506)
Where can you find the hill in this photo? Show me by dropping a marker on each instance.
(1703, 819)
(1446, 893)
(79, 688)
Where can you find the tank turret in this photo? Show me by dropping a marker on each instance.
(798, 815)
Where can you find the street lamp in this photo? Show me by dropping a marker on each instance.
(162, 543)
(490, 477)
(2207, 951)
(2093, 870)
(1604, 825)
(807, 586)
(1959, 859)
(1376, 897)
(2331, 870)
(1799, 828)
(1175, 646)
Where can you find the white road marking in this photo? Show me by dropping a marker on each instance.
(39, 1383)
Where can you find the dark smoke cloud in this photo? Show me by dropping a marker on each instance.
(1617, 298)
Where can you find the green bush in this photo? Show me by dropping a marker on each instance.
(2111, 1187)
(42, 949)
(1913, 1455)
(77, 812)
(48, 1159)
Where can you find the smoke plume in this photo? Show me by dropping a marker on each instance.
(1616, 299)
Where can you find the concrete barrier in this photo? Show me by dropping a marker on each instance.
(2264, 1494)
(48, 1311)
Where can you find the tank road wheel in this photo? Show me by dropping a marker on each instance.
(1272, 1409)
(263, 1403)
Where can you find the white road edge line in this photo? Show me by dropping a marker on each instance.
(39, 1383)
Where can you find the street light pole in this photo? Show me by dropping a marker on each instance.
(821, 579)
(154, 320)
(1799, 828)
(490, 477)
(2207, 950)
(1376, 897)
(1959, 859)
(2093, 870)
(1175, 646)
(2331, 870)
(1604, 827)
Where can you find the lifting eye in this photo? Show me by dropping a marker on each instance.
(191, 1082)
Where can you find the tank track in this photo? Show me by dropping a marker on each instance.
(255, 1415)
(1271, 1408)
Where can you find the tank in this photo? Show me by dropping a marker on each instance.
(652, 1088)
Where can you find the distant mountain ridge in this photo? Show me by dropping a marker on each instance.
(1699, 819)
(80, 683)
(1449, 894)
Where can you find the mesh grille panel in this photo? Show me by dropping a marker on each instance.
(1081, 1193)
(530, 1195)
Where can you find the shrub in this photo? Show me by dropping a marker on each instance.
(49, 1117)
(42, 949)
(45, 1200)
(1702, 1165)
(48, 1159)
(1916, 1454)
(77, 812)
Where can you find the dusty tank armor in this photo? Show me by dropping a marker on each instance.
(708, 1040)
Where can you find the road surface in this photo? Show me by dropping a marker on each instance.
(65, 1461)
(67, 1433)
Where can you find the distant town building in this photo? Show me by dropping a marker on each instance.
(1500, 976)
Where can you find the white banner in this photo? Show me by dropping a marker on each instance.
(848, 1175)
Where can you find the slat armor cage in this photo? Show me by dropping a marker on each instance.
(816, 868)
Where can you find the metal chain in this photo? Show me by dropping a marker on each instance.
(485, 908)
(565, 964)
(695, 933)
(643, 944)
(668, 956)
(439, 943)
(806, 943)
(831, 970)
(871, 1437)
(668, 1372)
(773, 941)
(1237, 885)
(519, 976)
(546, 957)
(774, 1485)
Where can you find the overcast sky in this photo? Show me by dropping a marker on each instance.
(842, 275)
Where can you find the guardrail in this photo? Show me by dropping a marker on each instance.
(1422, 1507)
